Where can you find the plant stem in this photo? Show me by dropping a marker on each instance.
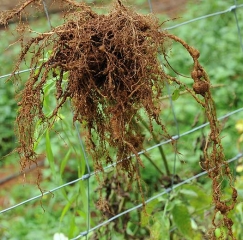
(160, 150)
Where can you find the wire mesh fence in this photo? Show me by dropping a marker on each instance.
(84, 232)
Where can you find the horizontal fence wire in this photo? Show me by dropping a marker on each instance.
(86, 176)
(176, 137)
(230, 9)
(166, 191)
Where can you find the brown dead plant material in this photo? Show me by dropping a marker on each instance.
(113, 72)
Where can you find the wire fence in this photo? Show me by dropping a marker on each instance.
(86, 177)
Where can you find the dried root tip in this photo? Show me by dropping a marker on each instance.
(195, 53)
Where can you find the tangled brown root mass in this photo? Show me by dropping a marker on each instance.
(113, 72)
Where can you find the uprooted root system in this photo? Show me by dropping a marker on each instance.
(113, 72)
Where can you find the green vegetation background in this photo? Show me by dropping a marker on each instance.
(185, 213)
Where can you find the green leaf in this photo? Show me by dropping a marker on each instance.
(81, 213)
(68, 206)
(189, 193)
(160, 230)
(64, 161)
(81, 162)
(48, 53)
(130, 228)
(145, 214)
(49, 154)
(182, 220)
(84, 196)
(39, 133)
(72, 226)
(196, 196)
(50, 85)
(175, 94)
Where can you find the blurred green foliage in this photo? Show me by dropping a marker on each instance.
(8, 104)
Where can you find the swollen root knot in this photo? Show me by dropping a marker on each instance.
(234, 195)
(222, 207)
(195, 53)
(228, 222)
(200, 87)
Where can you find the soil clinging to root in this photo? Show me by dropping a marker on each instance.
(113, 72)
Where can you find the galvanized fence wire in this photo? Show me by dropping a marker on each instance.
(166, 191)
(86, 176)
(178, 135)
(230, 9)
